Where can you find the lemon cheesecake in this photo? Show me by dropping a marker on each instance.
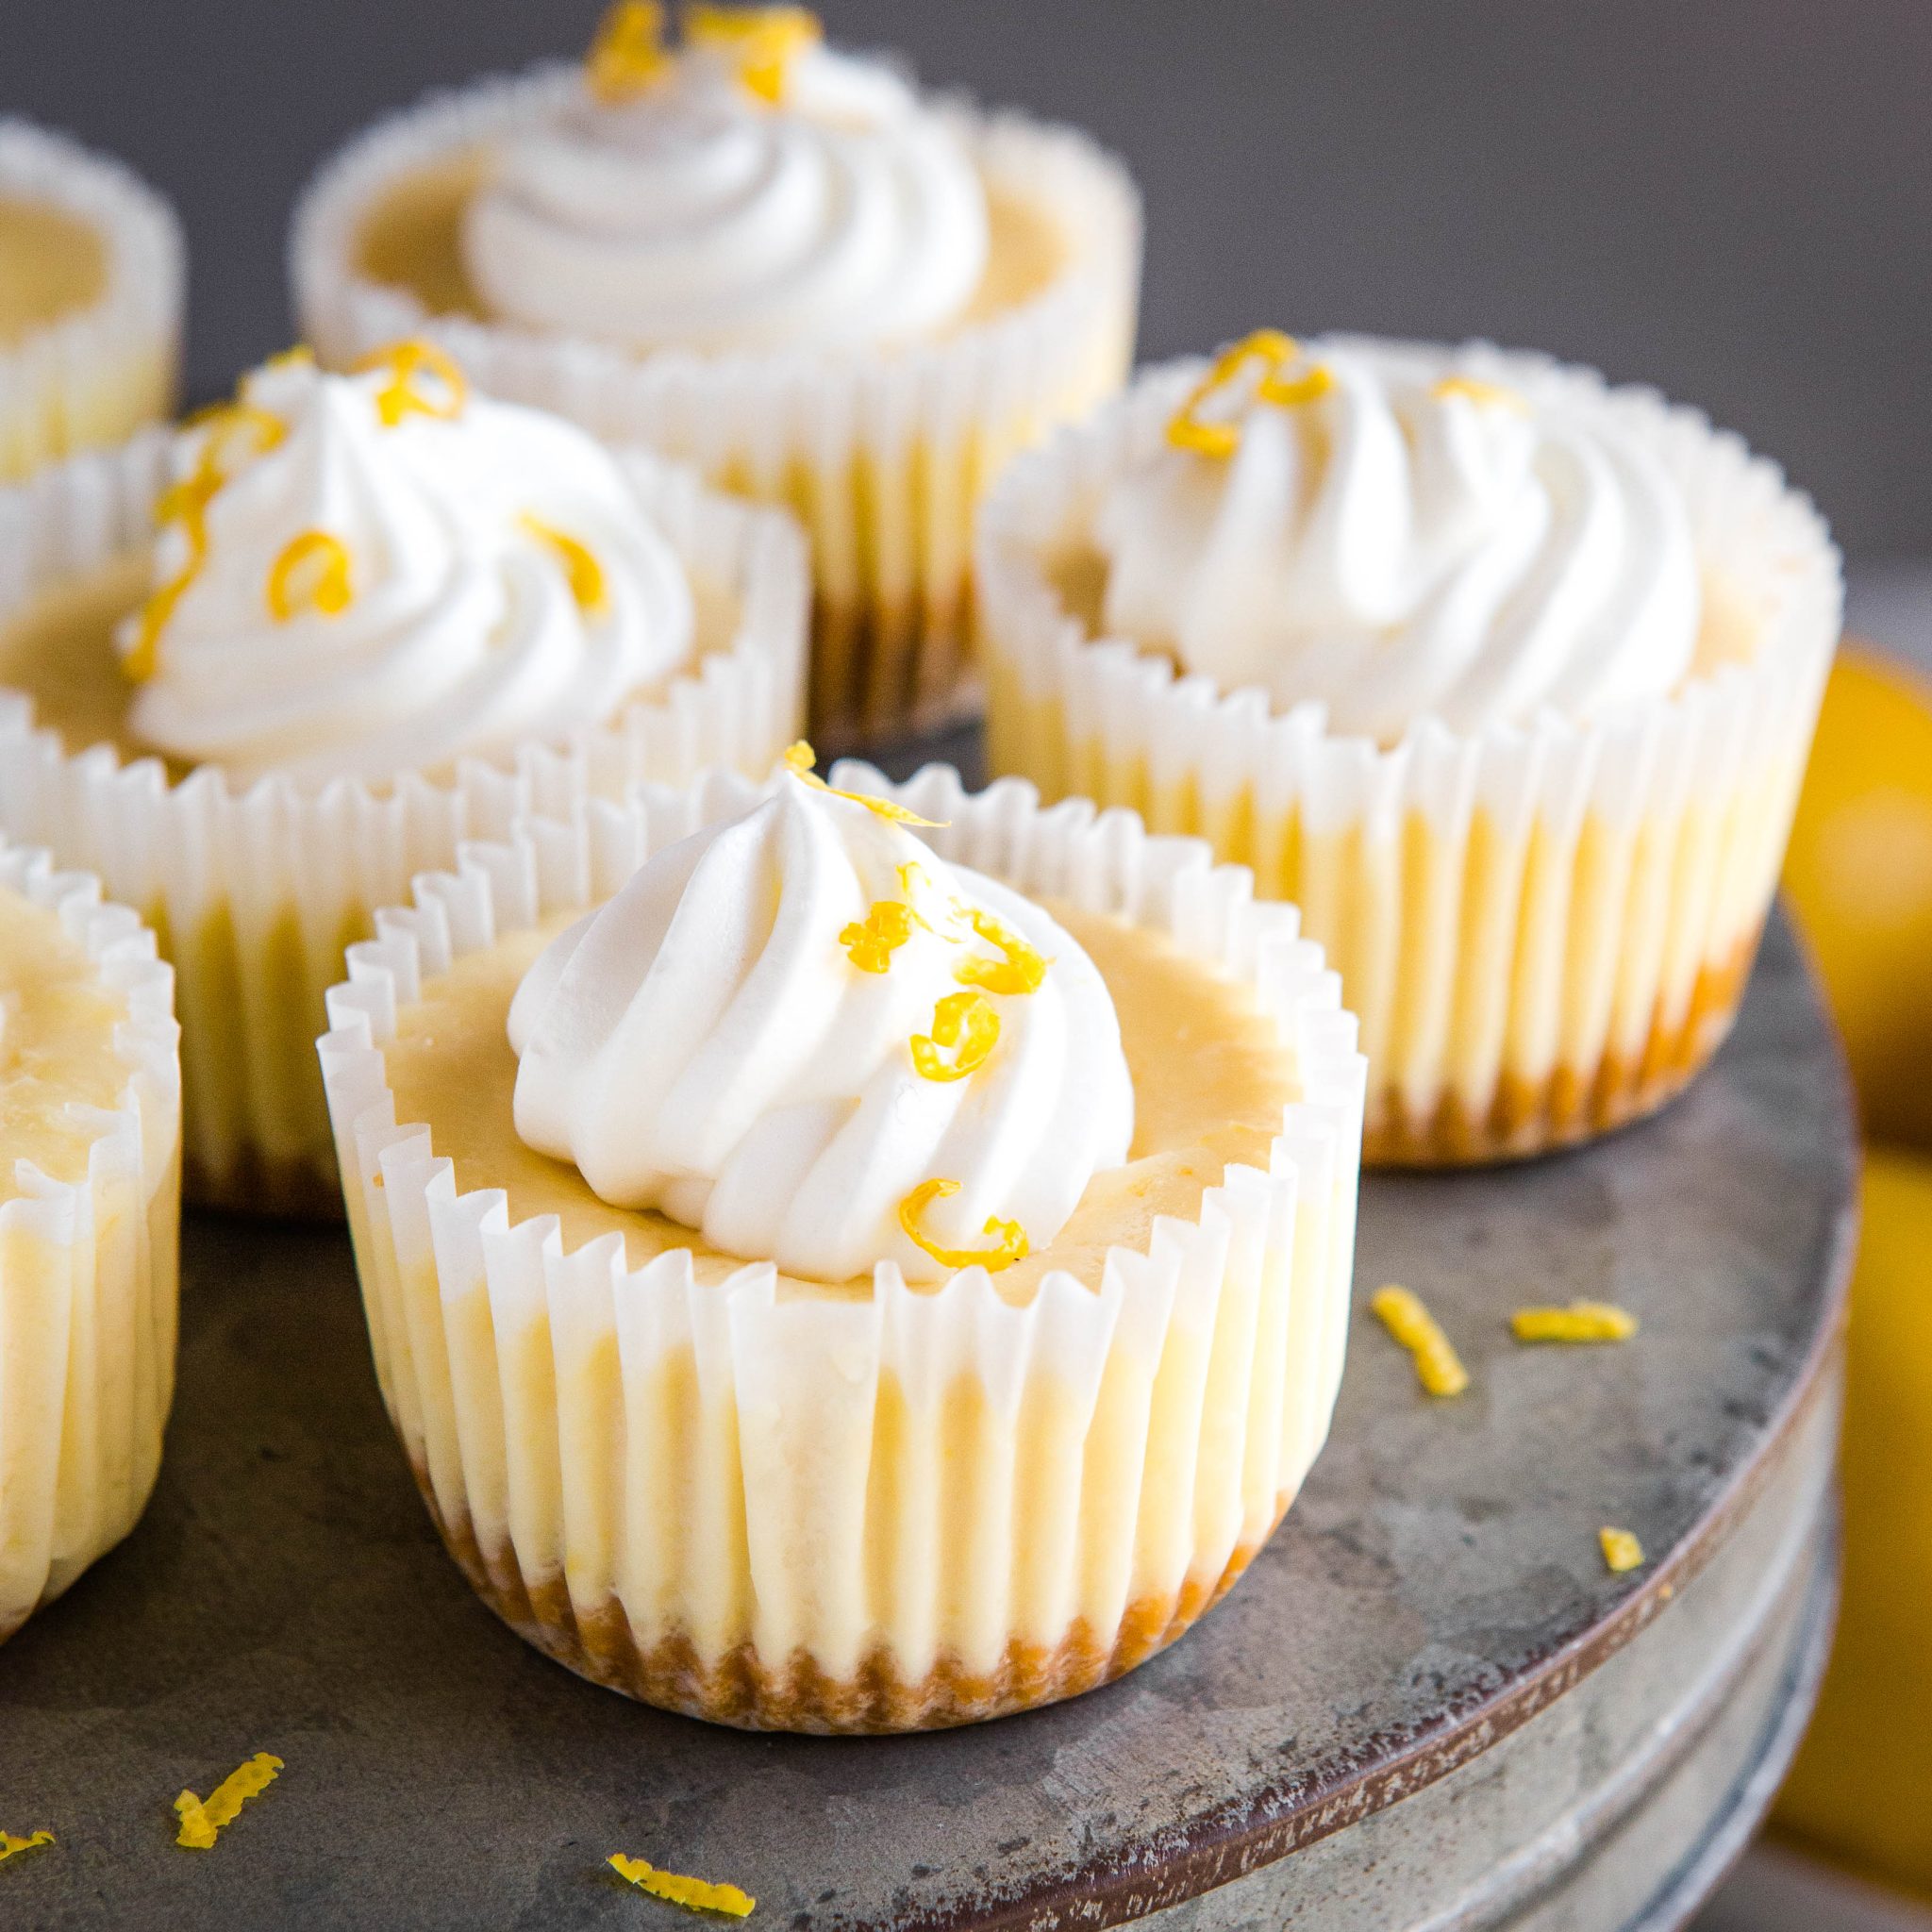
(264, 667)
(1503, 676)
(781, 262)
(838, 1281)
(89, 1214)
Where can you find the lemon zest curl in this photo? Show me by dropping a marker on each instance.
(10, 1846)
(762, 42)
(404, 394)
(585, 574)
(964, 1024)
(1009, 1235)
(1276, 353)
(799, 760)
(310, 574)
(871, 942)
(627, 55)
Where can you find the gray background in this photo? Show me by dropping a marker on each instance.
(1730, 198)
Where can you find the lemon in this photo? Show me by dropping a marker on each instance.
(1862, 1785)
(1860, 876)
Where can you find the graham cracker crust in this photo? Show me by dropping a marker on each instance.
(1525, 1119)
(742, 1691)
(268, 1190)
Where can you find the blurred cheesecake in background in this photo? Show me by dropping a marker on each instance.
(91, 299)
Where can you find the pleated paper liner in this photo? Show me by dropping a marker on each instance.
(1545, 931)
(89, 1274)
(883, 455)
(255, 892)
(97, 372)
(729, 1502)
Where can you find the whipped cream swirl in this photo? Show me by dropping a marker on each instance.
(696, 213)
(1380, 528)
(375, 573)
(752, 1037)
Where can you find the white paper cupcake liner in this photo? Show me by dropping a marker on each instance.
(883, 457)
(1546, 930)
(255, 891)
(89, 1274)
(822, 1514)
(95, 375)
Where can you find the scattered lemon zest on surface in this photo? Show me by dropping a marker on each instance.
(1474, 389)
(871, 942)
(1438, 1367)
(762, 42)
(695, 1895)
(627, 54)
(579, 561)
(1579, 1321)
(1622, 1551)
(1008, 1235)
(311, 573)
(403, 394)
(961, 1020)
(799, 760)
(1022, 969)
(10, 1846)
(202, 1818)
(1275, 352)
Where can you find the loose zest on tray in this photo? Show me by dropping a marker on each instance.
(1622, 1551)
(1579, 1321)
(1438, 1367)
(695, 1895)
(202, 1818)
(10, 1846)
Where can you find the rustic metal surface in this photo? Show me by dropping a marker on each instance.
(1436, 1586)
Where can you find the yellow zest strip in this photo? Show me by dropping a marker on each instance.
(144, 658)
(1579, 1321)
(1438, 1367)
(627, 56)
(1275, 352)
(201, 1819)
(296, 356)
(236, 432)
(1009, 1235)
(799, 760)
(9, 1845)
(1020, 972)
(1622, 1551)
(695, 1895)
(870, 943)
(403, 394)
(1474, 389)
(579, 561)
(311, 573)
(762, 42)
(965, 1020)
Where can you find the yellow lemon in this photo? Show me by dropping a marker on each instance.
(1859, 876)
(1862, 1785)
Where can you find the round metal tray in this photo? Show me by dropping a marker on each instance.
(1428, 1703)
